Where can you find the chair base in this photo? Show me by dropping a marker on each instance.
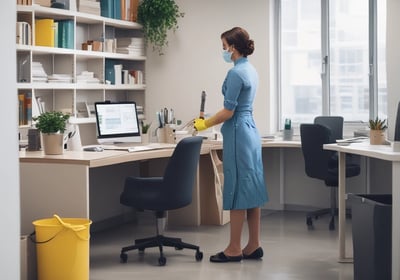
(326, 211)
(160, 241)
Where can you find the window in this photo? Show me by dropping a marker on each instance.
(332, 59)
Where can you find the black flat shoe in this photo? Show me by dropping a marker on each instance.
(222, 258)
(257, 254)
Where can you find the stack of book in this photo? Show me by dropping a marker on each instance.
(38, 73)
(60, 78)
(119, 9)
(132, 45)
(50, 33)
(89, 6)
(87, 77)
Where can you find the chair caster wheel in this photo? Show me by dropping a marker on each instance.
(199, 256)
(162, 261)
(123, 257)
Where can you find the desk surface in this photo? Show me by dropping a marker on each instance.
(110, 157)
(97, 159)
(384, 152)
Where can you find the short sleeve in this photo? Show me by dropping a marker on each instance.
(231, 89)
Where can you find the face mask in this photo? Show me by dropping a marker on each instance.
(227, 56)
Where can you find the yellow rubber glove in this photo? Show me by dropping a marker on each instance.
(200, 124)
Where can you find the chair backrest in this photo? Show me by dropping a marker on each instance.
(316, 159)
(181, 171)
(334, 123)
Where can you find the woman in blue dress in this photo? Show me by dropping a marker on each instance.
(244, 187)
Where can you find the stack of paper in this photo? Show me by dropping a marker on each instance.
(131, 45)
(89, 6)
(60, 78)
(38, 73)
(87, 77)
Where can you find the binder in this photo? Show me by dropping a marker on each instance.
(117, 9)
(66, 34)
(107, 8)
(44, 32)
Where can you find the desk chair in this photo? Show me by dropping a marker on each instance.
(160, 194)
(323, 165)
(334, 123)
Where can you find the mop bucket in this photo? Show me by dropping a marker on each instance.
(62, 247)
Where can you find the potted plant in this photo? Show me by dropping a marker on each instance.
(157, 17)
(377, 131)
(52, 126)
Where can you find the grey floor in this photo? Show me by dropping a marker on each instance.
(292, 252)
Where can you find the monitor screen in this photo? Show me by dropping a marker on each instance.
(117, 122)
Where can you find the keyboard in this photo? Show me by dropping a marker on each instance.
(139, 147)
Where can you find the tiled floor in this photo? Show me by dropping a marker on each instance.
(292, 252)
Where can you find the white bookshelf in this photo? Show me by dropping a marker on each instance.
(63, 96)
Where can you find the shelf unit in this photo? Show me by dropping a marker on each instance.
(65, 96)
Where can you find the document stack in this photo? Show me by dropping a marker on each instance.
(133, 46)
(87, 77)
(38, 73)
(89, 6)
(60, 78)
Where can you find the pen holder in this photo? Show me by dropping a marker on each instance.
(287, 134)
(166, 134)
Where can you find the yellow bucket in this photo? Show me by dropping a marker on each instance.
(62, 247)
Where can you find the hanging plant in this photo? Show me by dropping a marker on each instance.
(157, 17)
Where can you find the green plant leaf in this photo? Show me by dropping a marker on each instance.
(158, 17)
(51, 122)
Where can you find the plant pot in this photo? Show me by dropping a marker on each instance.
(377, 137)
(145, 138)
(53, 143)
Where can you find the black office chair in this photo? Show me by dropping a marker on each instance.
(160, 194)
(334, 123)
(322, 164)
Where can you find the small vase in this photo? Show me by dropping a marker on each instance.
(376, 137)
(53, 143)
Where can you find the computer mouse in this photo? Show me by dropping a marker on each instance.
(93, 149)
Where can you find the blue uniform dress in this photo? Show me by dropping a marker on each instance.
(244, 184)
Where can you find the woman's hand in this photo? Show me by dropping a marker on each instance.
(200, 124)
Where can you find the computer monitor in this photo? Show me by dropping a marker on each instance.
(396, 143)
(117, 122)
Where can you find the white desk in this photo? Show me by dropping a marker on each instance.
(61, 184)
(383, 152)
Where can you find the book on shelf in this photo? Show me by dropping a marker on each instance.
(107, 8)
(66, 34)
(89, 6)
(24, 2)
(44, 32)
(24, 33)
(117, 9)
(25, 108)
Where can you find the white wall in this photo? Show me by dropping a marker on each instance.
(193, 60)
(9, 190)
